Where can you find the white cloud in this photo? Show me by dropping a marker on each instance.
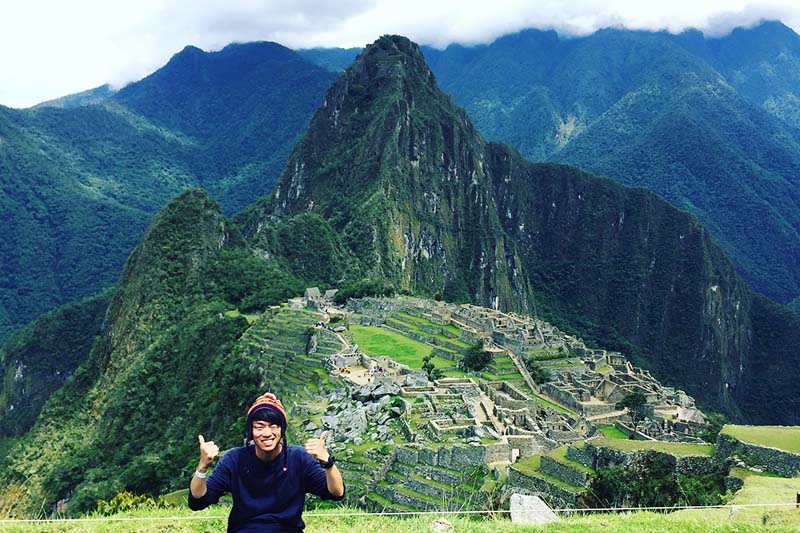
(52, 48)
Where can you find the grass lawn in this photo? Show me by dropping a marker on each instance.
(758, 489)
(375, 340)
(235, 312)
(612, 432)
(674, 448)
(782, 437)
(181, 520)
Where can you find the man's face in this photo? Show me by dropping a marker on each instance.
(266, 436)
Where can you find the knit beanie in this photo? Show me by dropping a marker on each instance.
(269, 402)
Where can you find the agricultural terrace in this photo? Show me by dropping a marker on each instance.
(376, 340)
(781, 437)
(672, 448)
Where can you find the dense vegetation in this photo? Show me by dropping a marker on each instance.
(42, 356)
(651, 480)
(167, 365)
(710, 124)
(81, 182)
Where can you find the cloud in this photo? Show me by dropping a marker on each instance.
(54, 48)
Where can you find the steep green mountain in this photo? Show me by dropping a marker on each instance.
(761, 63)
(242, 108)
(81, 183)
(79, 186)
(415, 199)
(161, 365)
(709, 124)
(397, 172)
(629, 271)
(333, 59)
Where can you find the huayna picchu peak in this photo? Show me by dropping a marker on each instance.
(470, 322)
(392, 165)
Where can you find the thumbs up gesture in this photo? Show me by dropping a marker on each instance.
(208, 451)
(317, 449)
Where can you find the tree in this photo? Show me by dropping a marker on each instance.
(476, 358)
(430, 369)
(635, 403)
(539, 374)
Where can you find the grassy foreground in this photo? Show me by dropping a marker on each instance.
(182, 520)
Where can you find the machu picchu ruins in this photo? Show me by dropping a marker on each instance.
(414, 440)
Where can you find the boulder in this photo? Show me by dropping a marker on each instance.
(530, 510)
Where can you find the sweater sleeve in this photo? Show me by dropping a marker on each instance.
(217, 484)
(315, 480)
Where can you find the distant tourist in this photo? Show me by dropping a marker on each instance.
(267, 478)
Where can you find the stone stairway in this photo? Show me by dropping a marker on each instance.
(558, 477)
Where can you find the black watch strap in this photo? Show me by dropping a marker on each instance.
(331, 461)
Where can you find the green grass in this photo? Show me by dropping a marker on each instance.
(782, 437)
(611, 432)
(530, 467)
(452, 329)
(758, 489)
(673, 448)
(249, 317)
(182, 520)
(375, 340)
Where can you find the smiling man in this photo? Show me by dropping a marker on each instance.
(267, 478)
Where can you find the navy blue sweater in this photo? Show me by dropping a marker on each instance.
(265, 496)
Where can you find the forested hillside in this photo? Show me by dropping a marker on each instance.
(709, 124)
(81, 182)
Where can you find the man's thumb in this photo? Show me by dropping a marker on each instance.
(323, 436)
(201, 439)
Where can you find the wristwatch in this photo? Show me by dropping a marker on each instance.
(331, 461)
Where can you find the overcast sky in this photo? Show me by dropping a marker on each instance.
(50, 48)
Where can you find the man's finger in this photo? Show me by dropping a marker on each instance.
(202, 440)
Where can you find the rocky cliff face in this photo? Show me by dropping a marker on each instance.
(623, 265)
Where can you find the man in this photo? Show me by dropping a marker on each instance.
(267, 478)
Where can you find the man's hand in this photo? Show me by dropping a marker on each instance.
(208, 452)
(317, 449)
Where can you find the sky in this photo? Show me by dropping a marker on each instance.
(51, 48)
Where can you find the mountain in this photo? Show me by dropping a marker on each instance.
(709, 124)
(761, 63)
(79, 186)
(241, 108)
(333, 59)
(163, 344)
(389, 189)
(42, 357)
(81, 99)
(398, 173)
(81, 182)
